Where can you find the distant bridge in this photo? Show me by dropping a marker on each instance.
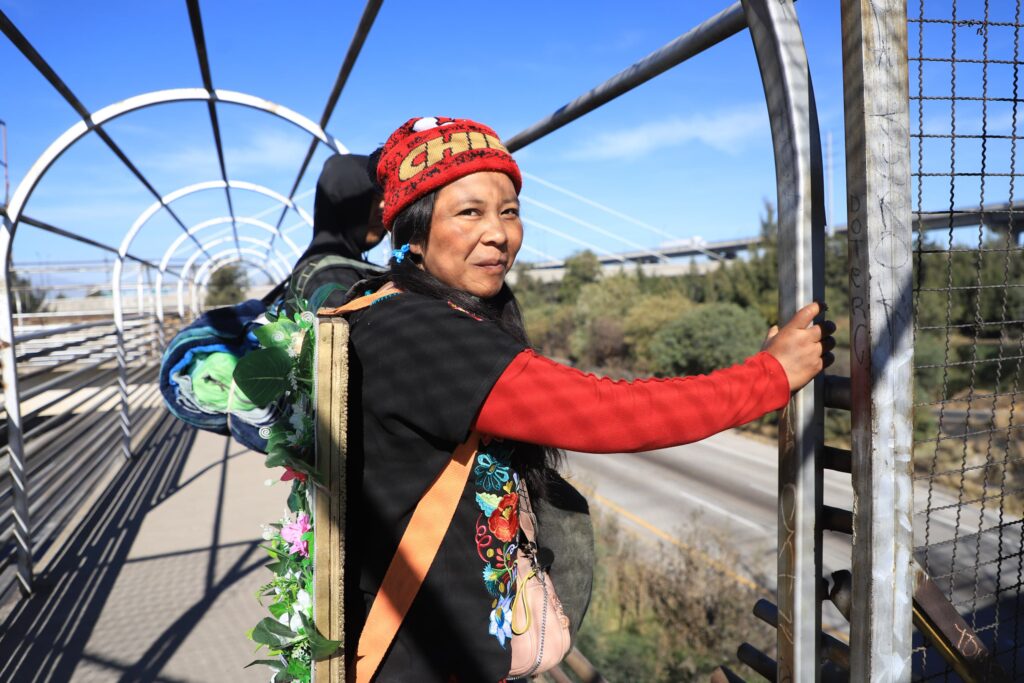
(1002, 217)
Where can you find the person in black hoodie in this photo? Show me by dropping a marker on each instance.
(346, 223)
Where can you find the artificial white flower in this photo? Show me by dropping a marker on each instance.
(303, 603)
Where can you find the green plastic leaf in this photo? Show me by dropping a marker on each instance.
(296, 501)
(274, 664)
(299, 669)
(319, 646)
(273, 633)
(283, 677)
(277, 609)
(276, 335)
(278, 456)
(263, 375)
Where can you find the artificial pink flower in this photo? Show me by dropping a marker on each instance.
(292, 533)
(291, 473)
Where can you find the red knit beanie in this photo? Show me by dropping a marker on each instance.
(425, 154)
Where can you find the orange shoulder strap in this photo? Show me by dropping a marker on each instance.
(416, 551)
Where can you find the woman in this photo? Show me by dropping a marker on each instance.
(446, 353)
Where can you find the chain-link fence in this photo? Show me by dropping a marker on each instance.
(966, 120)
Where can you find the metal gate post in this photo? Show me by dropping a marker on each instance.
(880, 238)
(779, 45)
(12, 404)
(122, 358)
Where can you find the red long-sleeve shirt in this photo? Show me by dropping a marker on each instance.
(537, 400)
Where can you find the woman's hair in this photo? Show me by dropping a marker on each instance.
(412, 226)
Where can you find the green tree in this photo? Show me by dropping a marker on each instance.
(227, 286)
(580, 269)
(25, 297)
(645, 318)
(598, 338)
(707, 337)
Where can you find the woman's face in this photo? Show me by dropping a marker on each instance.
(475, 233)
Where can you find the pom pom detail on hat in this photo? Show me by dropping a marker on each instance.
(427, 153)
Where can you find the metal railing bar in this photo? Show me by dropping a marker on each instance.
(103, 394)
(33, 56)
(56, 381)
(36, 223)
(55, 331)
(725, 24)
(64, 496)
(74, 343)
(91, 353)
(355, 47)
(43, 334)
(90, 384)
(62, 464)
(43, 457)
(199, 38)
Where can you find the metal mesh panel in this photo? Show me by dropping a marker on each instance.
(965, 115)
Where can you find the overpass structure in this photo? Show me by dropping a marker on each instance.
(89, 453)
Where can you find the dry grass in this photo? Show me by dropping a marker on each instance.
(667, 613)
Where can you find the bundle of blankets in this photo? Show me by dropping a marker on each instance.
(196, 375)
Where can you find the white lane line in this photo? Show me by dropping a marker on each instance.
(725, 513)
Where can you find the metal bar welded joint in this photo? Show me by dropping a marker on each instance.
(782, 59)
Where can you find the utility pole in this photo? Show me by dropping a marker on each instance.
(3, 162)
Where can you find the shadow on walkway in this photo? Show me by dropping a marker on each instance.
(46, 635)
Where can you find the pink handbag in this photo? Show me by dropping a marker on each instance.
(540, 629)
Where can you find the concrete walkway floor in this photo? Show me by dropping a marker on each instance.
(156, 580)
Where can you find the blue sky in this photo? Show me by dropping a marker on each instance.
(688, 153)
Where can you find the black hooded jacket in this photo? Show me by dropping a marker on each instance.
(341, 211)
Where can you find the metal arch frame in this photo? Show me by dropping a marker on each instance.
(12, 214)
(144, 217)
(126, 243)
(206, 270)
(223, 258)
(171, 250)
(280, 269)
(785, 76)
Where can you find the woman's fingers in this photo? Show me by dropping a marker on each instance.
(802, 347)
(803, 318)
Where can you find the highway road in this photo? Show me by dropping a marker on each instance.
(728, 483)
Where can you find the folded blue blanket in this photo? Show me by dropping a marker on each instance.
(227, 329)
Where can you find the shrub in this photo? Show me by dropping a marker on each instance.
(706, 337)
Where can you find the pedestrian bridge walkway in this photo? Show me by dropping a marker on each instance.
(156, 580)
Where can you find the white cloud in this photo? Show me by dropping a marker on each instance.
(725, 131)
(265, 149)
